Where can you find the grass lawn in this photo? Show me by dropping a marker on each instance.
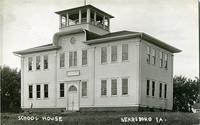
(101, 118)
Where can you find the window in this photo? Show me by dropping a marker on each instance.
(38, 91)
(153, 56)
(62, 60)
(46, 91)
(148, 54)
(148, 87)
(73, 58)
(124, 86)
(166, 61)
(114, 87)
(84, 57)
(161, 59)
(124, 52)
(30, 89)
(62, 90)
(84, 88)
(103, 54)
(30, 63)
(38, 64)
(46, 62)
(165, 94)
(103, 87)
(63, 21)
(160, 94)
(153, 88)
(114, 53)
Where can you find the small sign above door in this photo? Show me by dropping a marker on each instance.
(73, 73)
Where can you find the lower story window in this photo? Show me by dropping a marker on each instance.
(124, 86)
(103, 87)
(38, 91)
(114, 87)
(30, 89)
(62, 90)
(46, 91)
(84, 88)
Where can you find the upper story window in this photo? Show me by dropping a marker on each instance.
(83, 16)
(124, 86)
(46, 91)
(84, 88)
(114, 87)
(38, 91)
(114, 53)
(46, 63)
(84, 57)
(103, 54)
(30, 63)
(124, 52)
(62, 60)
(63, 20)
(148, 87)
(38, 63)
(103, 87)
(153, 56)
(166, 61)
(73, 58)
(62, 90)
(153, 88)
(99, 20)
(30, 89)
(161, 59)
(74, 18)
(148, 54)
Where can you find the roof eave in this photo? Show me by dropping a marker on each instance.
(23, 52)
(160, 43)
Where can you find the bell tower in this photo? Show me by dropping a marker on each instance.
(87, 17)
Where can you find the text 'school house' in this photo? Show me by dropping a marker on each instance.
(87, 67)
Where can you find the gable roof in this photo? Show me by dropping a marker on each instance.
(47, 47)
(129, 34)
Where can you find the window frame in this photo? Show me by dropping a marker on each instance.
(148, 87)
(114, 53)
(166, 61)
(161, 59)
(46, 91)
(62, 60)
(84, 89)
(113, 88)
(153, 88)
(38, 62)
(84, 57)
(30, 92)
(72, 58)
(125, 52)
(30, 63)
(153, 56)
(160, 90)
(103, 90)
(104, 55)
(165, 91)
(45, 65)
(124, 94)
(38, 91)
(61, 91)
(148, 58)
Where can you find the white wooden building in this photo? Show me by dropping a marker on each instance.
(87, 67)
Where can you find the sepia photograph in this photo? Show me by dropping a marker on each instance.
(105, 62)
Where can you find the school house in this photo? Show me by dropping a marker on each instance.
(89, 68)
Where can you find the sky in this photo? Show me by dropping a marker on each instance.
(29, 23)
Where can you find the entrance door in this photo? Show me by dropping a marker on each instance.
(73, 98)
